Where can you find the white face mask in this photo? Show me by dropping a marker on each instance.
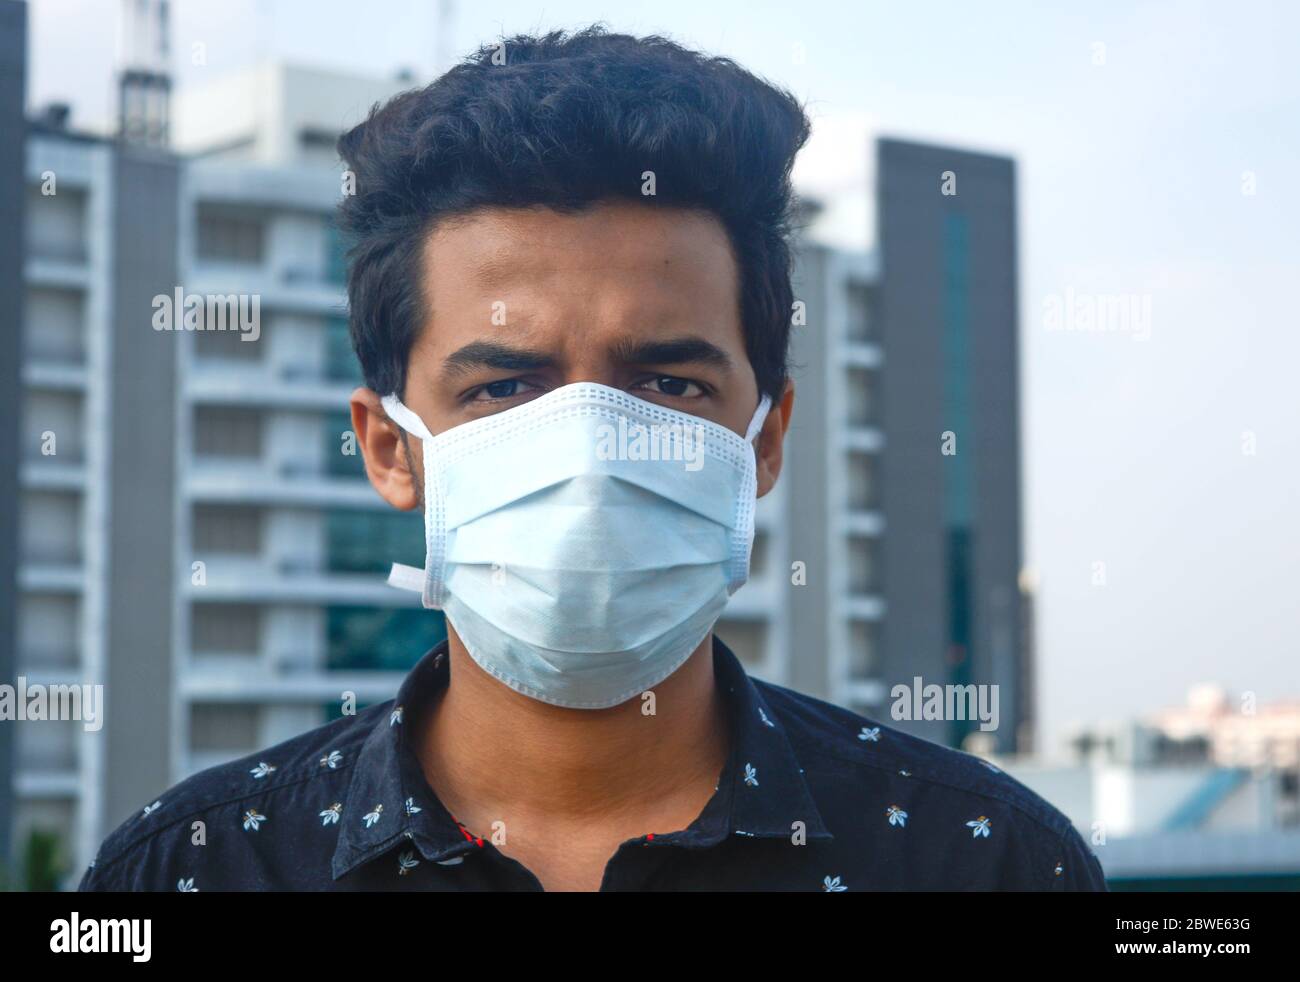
(584, 543)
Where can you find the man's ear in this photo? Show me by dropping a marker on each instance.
(771, 440)
(380, 439)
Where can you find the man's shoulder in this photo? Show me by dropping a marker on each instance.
(825, 735)
(329, 749)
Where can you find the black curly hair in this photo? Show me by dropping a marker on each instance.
(564, 121)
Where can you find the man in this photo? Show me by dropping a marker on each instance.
(570, 297)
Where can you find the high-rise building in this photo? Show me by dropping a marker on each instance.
(831, 507)
(13, 84)
(949, 406)
(96, 457)
(287, 610)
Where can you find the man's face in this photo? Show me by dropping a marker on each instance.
(522, 301)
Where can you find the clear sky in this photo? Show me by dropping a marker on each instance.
(1137, 128)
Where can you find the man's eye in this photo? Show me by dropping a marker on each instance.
(671, 385)
(503, 389)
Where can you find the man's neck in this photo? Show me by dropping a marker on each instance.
(490, 753)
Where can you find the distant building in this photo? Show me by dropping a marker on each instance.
(1201, 797)
(97, 452)
(948, 402)
(277, 115)
(1236, 732)
(827, 587)
(13, 193)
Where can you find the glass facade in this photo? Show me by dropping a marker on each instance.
(958, 489)
(336, 250)
(340, 361)
(376, 638)
(380, 638)
(338, 463)
(365, 541)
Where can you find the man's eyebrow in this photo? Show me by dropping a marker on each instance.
(493, 354)
(674, 351)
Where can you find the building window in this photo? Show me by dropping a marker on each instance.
(49, 627)
(56, 224)
(227, 433)
(230, 345)
(862, 482)
(216, 728)
(758, 554)
(336, 431)
(746, 639)
(341, 363)
(358, 541)
(861, 312)
(864, 655)
(54, 430)
(228, 530)
(861, 397)
(336, 253)
(863, 578)
(50, 530)
(380, 638)
(49, 745)
(229, 236)
(55, 326)
(225, 629)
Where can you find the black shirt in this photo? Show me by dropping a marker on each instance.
(813, 797)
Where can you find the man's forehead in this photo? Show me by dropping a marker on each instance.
(504, 246)
(602, 277)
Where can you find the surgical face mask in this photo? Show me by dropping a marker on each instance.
(584, 543)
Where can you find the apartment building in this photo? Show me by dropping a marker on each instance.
(96, 472)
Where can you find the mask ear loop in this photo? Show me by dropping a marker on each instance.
(744, 541)
(760, 417)
(422, 581)
(404, 418)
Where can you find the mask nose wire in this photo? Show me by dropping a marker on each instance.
(409, 421)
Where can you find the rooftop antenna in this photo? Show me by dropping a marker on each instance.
(144, 82)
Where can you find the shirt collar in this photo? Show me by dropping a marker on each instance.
(762, 791)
